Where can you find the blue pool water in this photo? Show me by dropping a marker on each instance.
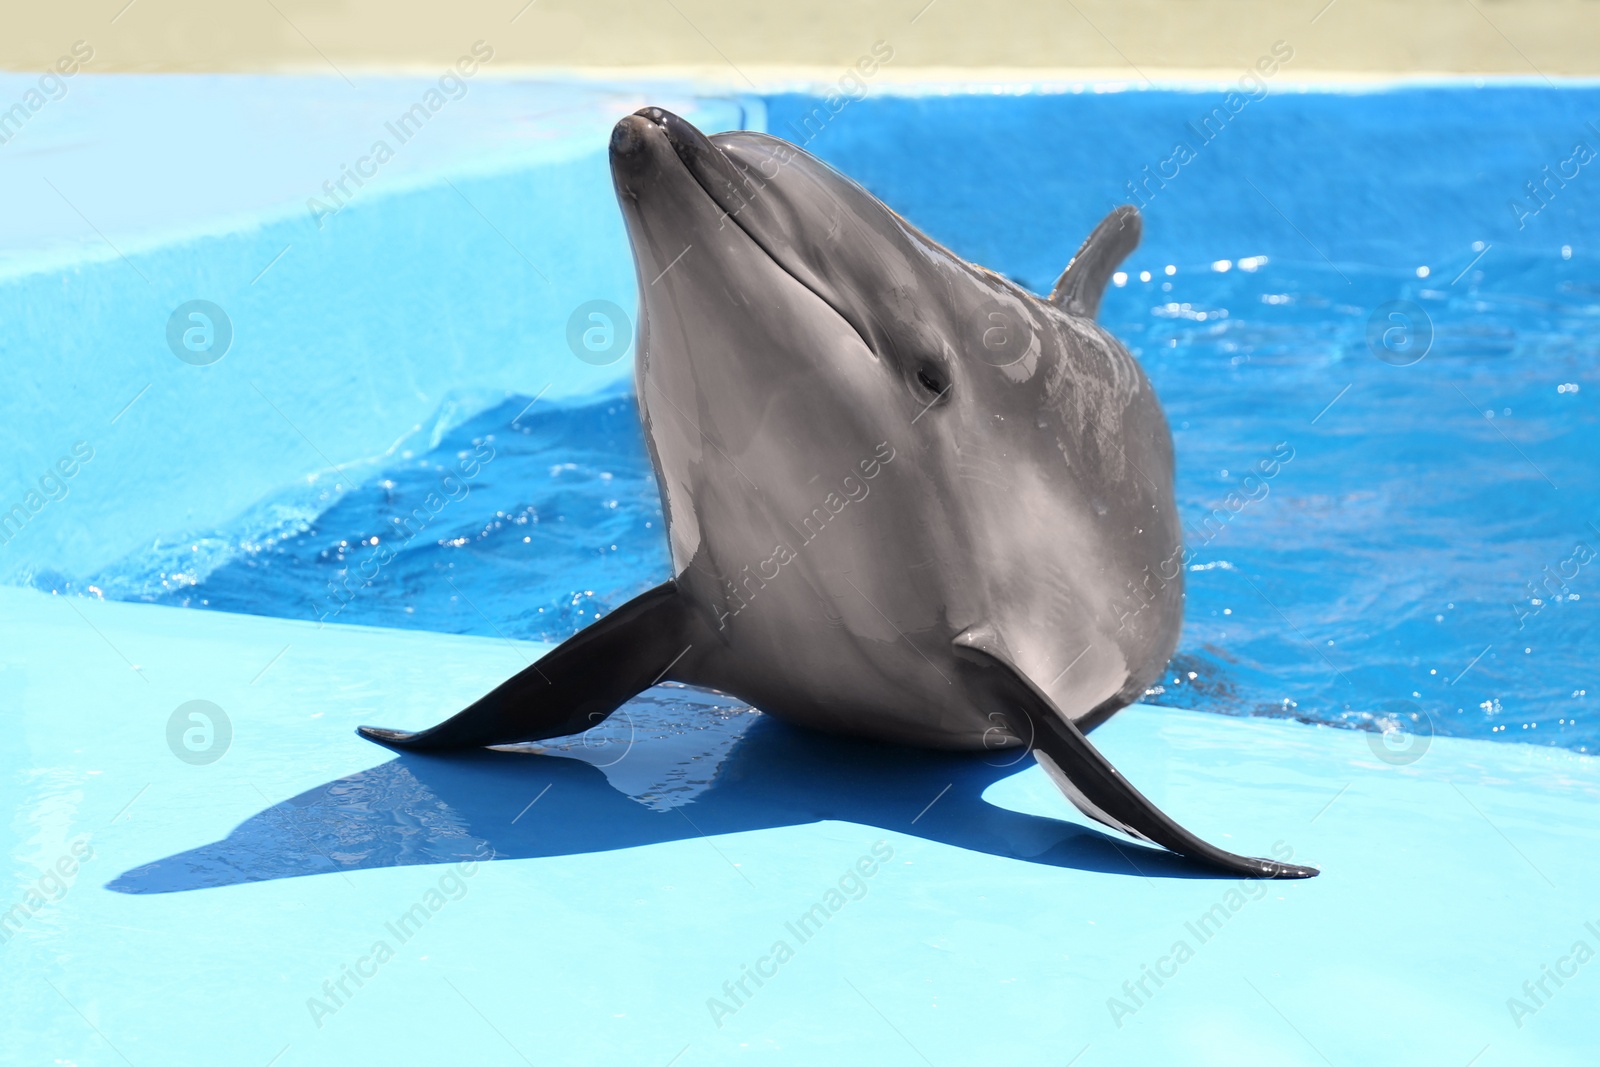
(559, 522)
(1419, 554)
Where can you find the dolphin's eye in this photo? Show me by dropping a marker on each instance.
(931, 379)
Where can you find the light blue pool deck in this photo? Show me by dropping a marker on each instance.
(309, 898)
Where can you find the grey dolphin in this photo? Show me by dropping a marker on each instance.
(905, 498)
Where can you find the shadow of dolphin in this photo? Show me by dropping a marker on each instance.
(744, 771)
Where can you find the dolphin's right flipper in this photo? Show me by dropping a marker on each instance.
(574, 686)
(1088, 779)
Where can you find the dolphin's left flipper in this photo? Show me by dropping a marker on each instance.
(1088, 779)
(575, 685)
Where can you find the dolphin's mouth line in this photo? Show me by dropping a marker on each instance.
(700, 156)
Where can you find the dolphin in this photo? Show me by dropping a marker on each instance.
(906, 499)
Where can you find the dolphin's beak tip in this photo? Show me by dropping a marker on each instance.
(627, 136)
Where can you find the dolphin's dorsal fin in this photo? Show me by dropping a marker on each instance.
(1083, 283)
(1087, 778)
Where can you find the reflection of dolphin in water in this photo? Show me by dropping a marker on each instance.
(743, 771)
(906, 500)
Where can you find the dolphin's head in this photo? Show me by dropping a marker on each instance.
(903, 295)
(789, 316)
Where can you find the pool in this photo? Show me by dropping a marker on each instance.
(1373, 338)
(1442, 538)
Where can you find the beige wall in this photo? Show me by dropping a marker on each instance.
(737, 40)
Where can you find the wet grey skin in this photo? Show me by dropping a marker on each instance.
(906, 499)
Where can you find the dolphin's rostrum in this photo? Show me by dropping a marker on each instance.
(906, 499)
